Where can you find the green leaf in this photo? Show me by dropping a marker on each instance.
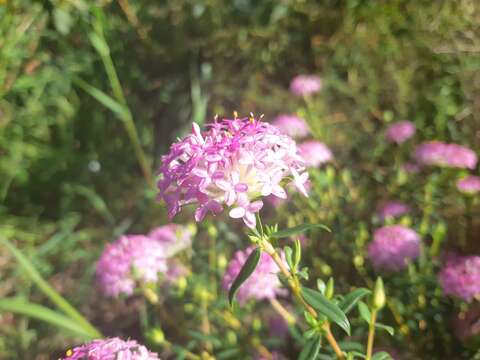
(288, 256)
(327, 308)
(247, 270)
(297, 253)
(382, 355)
(297, 229)
(364, 312)
(121, 111)
(311, 349)
(387, 328)
(351, 299)
(50, 292)
(23, 307)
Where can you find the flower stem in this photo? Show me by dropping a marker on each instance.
(284, 313)
(371, 334)
(295, 287)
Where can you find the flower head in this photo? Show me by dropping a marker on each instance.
(460, 277)
(110, 349)
(443, 154)
(469, 184)
(130, 260)
(393, 246)
(233, 164)
(304, 85)
(393, 209)
(262, 284)
(315, 153)
(174, 238)
(291, 125)
(400, 131)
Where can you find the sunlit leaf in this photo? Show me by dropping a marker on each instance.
(247, 270)
(297, 229)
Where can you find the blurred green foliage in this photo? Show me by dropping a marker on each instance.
(69, 177)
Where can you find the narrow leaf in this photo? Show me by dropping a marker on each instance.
(364, 312)
(288, 256)
(297, 229)
(247, 270)
(104, 99)
(311, 349)
(387, 328)
(382, 355)
(23, 307)
(47, 290)
(327, 308)
(351, 299)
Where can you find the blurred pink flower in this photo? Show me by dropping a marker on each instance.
(467, 324)
(411, 167)
(292, 125)
(400, 131)
(393, 246)
(393, 209)
(262, 284)
(443, 154)
(460, 276)
(315, 153)
(304, 85)
(173, 237)
(469, 184)
(130, 260)
(233, 164)
(111, 349)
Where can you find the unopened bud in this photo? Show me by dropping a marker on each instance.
(156, 336)
(378, 295)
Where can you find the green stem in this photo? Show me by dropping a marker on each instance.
(128, 121)
(371, 334)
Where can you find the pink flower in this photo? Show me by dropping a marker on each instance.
(393, 209)
(292, 126)
(315, 153)
(304, 85)
(393, 246)
(443, 154)
(469, 184)
(262, 284)
(130, 260)
(234, 164)
(411, 167)
(111, 349)
(174, 238)
(460, 277)
(400, 131)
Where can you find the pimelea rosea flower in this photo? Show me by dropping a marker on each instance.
(233, 164)
(460, 277)
(315, 153)
(304, 85)
(173, 237)
(393, 246)
(111, 349)
(393, 209)
(130, 260)
(292, 125)
(400, 131)
(469, 184)
(448, 155)
(262, 284)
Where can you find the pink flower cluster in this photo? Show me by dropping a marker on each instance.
(262, 284)
(111, 349)
(292, 126)
(315, 153)
(443, 154)
(139, 259)
(393, 246)
(304, 85)
(469, 184)
(233, 164)
(393, 209)
(460, 277)
(400, 131)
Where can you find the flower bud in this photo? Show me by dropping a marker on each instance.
(378, 295)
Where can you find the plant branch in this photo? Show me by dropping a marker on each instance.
(371, 334)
